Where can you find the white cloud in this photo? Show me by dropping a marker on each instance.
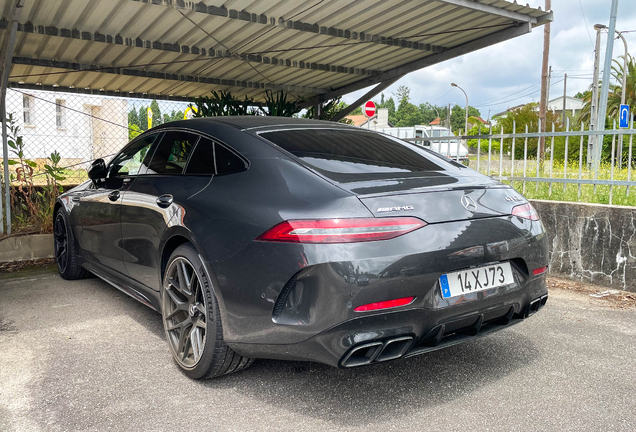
(514, 67)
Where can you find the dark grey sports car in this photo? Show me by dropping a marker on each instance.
(266, 237)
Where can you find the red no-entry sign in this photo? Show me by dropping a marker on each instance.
(369, 109)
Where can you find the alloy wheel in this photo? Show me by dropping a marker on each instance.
(184, 312)
(60, 238)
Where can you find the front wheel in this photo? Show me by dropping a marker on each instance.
(64, 249)
(192, 320)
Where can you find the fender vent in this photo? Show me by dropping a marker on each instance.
(282, 297)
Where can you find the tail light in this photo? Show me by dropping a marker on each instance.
(525, 211)
(341, 230)
(385, 304)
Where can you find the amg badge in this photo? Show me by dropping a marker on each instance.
(393, 209)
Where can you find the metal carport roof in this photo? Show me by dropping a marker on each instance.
(178, 49)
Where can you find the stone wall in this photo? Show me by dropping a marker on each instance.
(591, 242)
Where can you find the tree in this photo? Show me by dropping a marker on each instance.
(615, 91)
(458, 117)
(403, 93)
(156, 113)
(133, 117)
(407, 114)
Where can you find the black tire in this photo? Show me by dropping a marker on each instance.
(191, 317)
(64, 249)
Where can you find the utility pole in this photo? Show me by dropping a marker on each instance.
(565, 89)
(602, 106)
(448, 117)
(591, 141)
(544, 78)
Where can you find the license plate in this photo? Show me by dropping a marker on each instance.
(475, 279)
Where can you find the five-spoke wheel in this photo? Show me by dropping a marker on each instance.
(184, 312)
(192, 318)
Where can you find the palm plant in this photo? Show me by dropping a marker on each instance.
(615, 90)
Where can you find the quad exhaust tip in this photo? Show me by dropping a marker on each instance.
(377, 352)
(536, 304)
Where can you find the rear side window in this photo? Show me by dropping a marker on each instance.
(349, 155)
(210, 158)
(202, 160)
(172, 153)
(226, 161)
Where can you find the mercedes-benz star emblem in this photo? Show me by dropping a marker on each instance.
(468, 203)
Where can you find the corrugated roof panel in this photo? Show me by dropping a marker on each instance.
(322, 41)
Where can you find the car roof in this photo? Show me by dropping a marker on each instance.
(252, 122)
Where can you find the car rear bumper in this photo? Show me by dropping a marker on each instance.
(406, 332)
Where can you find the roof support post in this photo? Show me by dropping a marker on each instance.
(368, 95)
(8, 45)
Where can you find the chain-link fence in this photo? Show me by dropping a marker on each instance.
(79, 128)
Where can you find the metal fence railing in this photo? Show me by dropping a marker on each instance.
(576, 165)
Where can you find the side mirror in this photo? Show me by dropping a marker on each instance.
(97, 170)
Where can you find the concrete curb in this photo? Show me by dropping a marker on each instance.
(26, 247)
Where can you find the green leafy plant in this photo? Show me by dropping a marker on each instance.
(222, 104)
(278, 105)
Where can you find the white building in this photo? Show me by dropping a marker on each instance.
(79, 127)
(572, 105)
(378, 121)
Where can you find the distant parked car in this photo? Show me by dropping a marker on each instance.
(265, 237)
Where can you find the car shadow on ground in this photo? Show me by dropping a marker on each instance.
(365, 395)
(374, 393)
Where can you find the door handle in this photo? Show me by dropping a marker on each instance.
(164, 201)
(114, 195)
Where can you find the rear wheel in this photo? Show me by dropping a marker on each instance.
(64, 249)
(192, 320)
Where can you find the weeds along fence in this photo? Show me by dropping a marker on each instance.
(53, 138)
(576, 165)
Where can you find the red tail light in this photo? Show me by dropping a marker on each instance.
(385, 304)
(539, 270)
(525, 211)
(341, 230)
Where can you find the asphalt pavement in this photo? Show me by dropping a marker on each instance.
(82, 356)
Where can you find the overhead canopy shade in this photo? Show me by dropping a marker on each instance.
(178, 49)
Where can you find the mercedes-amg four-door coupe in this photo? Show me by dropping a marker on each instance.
(283, 238)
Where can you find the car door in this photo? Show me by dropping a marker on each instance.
(100, 209)
(156, 200)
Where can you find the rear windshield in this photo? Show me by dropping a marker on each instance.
(349, 155)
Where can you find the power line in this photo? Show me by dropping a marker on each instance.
(517, 98)
(586, 26)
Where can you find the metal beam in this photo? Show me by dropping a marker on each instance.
(368, 95)
(8, 44)
(492, 10)
(269, 21)
(468, 47)
(167, 76)
(197, 52)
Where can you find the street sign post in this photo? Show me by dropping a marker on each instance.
(624, 117)
(369, 109)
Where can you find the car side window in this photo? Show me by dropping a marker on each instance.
(172, 153)
(202, 160)
(133, 160)
(213, 158)
(226, 161)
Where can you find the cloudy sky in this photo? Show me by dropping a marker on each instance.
(509, 73)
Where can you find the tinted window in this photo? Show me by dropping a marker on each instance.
(345, 155)
(202, 160)
(133, 159)
(172, 153)
(226, 161)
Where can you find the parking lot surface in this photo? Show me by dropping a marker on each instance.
(81, 356)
